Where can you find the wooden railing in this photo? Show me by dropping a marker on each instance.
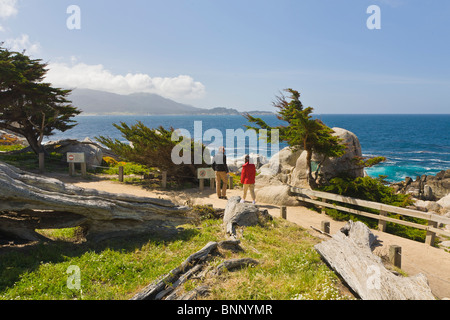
(320, 198)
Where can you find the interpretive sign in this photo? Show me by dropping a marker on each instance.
(75, 158)
(205, 173)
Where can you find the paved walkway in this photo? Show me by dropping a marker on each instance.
(416, 257)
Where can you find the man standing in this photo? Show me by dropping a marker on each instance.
(219, 165)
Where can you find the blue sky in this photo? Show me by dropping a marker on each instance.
(241, 54)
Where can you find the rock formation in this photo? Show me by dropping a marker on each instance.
(332, 167)
(288, 167)
(426, 187)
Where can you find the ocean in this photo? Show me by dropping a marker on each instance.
(412, 144)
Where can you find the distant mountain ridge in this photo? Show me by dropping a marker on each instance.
(102, 103)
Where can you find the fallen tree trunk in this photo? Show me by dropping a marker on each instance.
(153, 290)
(167, 287)
(102, 214)
(349, 253)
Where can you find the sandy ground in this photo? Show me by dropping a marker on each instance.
(416, 257)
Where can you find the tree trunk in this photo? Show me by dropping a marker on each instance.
(311, 181)
(102, 214)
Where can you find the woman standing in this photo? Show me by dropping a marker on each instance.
(248, 178)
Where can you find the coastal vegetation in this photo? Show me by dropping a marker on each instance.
(290, 268)
(153, 148)
(376, 190)
(28, 106)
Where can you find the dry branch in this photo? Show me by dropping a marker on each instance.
(167, 287)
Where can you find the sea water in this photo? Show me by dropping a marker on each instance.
(412, 144)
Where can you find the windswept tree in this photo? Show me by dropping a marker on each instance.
(29, 106)
(302, 131)
(158, 148)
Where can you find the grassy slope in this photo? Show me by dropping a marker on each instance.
(289, 266)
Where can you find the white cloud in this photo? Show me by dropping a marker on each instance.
(23, 43)
(96, 77)
(8, 8)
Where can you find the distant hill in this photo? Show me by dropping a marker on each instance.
(101, 102)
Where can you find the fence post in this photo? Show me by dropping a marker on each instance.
(382, 223)
(325, 226)
(83, 169)
(121, 174)
(430, 237)
(202, 184)
(230, 182)
(41, 162)
(395, 256)
(164, 179)
(284, 213)
(71, 168)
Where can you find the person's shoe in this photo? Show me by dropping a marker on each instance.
(224, 198)
(242, 201)
(254, 202)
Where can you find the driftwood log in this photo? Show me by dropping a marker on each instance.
(349, 253)
(29, 201)
(168, 286)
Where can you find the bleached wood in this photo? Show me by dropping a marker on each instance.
(352, 258)
(105, 213)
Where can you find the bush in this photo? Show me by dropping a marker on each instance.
(154, 148)
(129, 168)
(376, 190)
(8, 140)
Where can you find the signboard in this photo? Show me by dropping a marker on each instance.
(75, 158)
(206, 173)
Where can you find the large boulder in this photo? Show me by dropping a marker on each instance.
(282, 162)
(332, 167)
(278, 195)
(439, 184)
(93, 152)
(445, 203)
(11, 138)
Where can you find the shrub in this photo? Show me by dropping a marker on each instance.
(376, 190)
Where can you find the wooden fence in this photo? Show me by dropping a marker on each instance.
(320, 198)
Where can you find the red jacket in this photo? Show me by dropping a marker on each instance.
(248, 173)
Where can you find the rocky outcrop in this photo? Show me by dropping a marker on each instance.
(426, 187)
(92, 151)
(278, 195)
(289, 167)
(281, 163)
(332, 167)
(11, 138)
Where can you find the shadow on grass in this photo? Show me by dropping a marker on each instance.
(15, 261)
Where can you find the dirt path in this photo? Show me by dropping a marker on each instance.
(416, 257)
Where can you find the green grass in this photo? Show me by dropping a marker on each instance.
(289, 266)
(30, 161)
